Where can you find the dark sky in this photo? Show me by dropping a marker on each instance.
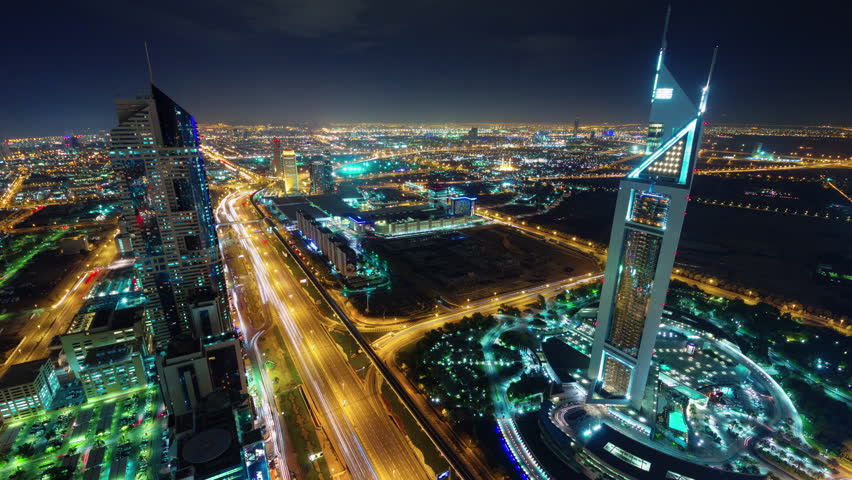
(268, 61)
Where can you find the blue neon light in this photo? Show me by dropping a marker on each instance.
(689, 128)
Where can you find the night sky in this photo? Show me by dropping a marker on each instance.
(288, 61)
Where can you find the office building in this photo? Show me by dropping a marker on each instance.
(98, 329)
(576, 127)
(649, 214)
(461, 206)
(333, 246)
(167, 214)
(284, 166)
(104, 350)
(27, 389)
(276, 167)
(321, 178)
(111, 369)
(191, 369)
(473, 134)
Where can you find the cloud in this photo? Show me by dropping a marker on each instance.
(547, 43)
(305, 18)
(301, 18)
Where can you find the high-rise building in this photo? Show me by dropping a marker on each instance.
(576, 127)
(284, 166)
(321, 179)
(649, 214)
(168, 217)
(473, 134)
(291, 171)
(276, 167)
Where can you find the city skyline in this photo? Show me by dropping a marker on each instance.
(471, 65)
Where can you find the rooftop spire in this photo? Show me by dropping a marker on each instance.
(666, 26)
(150, 70)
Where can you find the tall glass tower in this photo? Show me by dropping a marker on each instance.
(646, 229)
(167, 214)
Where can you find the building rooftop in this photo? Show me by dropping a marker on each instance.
(21, 373)
(107, 354)
(626, 454)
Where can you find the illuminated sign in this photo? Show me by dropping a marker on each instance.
(664, 93)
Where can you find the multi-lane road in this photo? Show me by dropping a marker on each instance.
(370, 444)
(67, 298)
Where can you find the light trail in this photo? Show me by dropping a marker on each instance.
(371, 446)
(839, 191)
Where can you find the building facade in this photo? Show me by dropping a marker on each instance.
(284, 166)
(166, 211)
(649, 215)
(112, 369)
(333, 246)
(27, 389)
(321, 178)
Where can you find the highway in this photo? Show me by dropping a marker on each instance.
(244, 304)
(370, 444)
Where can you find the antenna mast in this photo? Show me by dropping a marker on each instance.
(151, 71)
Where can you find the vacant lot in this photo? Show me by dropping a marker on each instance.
(469, 264)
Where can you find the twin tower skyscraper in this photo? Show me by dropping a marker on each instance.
(649, 215)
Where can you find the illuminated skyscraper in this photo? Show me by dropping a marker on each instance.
(284, 166)
(277, 167)
(321, 179)
(167, 214)
(646, 229)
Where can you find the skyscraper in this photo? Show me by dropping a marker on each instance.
(291, 171)
(284, 166)
(167, 214)
(576, 127)
(649, 214)
(321, 180)
(277, 168)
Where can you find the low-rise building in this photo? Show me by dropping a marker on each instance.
(27, 389)
(111, 369)
(74, 245)
(98, 329)
(333, 246)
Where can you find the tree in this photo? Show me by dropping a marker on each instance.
(26, 450)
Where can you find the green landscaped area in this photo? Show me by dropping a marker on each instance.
(22, 248)
(431, 456)
(97, 439)
(301, 431)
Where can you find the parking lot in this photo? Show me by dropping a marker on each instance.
(117, 438)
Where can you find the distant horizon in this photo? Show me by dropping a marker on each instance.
(568, 125)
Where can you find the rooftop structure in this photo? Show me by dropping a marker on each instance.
(191, 369)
